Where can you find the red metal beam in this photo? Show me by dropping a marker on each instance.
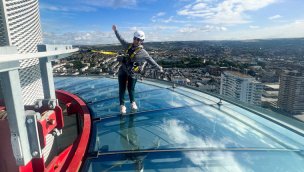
(76, 154)
(68, 160)
(57, 163)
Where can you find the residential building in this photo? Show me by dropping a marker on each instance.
(241, 87)
(291, 93)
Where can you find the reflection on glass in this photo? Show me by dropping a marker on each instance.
(128, 137)
(200, 161)
(71, 82)
(58, 79)
(129, 141)
(287, 137)
(146, 101)
(90, 85)
(110, 91)
(174, 129)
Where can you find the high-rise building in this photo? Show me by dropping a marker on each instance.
(291, 93)
(241, 87)
(20, 27)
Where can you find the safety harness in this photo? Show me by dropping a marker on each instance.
(131, 54)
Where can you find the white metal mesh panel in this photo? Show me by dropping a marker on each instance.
(24, 31)
(46, 151)
(30, 79)
(3, 35)
(23, 23)
(29, 62)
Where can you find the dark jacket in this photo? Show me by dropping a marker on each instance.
(140, 59)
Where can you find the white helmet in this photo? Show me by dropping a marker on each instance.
(139, 34)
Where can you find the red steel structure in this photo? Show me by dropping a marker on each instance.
(68, 160)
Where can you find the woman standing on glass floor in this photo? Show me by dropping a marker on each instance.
(131, 66)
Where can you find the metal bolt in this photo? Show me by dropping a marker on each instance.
(35, 153)
(29, 121)
(51, 106)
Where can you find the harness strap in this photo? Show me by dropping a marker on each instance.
(137, 49)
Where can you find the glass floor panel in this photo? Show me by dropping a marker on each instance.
(180, 130)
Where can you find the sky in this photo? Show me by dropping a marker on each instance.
(90, 21)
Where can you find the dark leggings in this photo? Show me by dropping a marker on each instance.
(122, 80)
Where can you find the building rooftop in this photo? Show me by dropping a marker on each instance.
(238, 74)
(181, 129)
(273, 86)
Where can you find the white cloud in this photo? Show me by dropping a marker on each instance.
(75, 38)
(171, 19)
(207, 28)
(134, 28)
(254, 27)
(82, 8)
(289, 30)
(160, 14)
(199, 6)
(84, 4)
(153, 33)
(176, 33)
(227, 12)
(111, 3)
(298, 21)
(275, 17)
(155, 18)
(222, 28)
(160, 27)
(188, 30)
(214, 32)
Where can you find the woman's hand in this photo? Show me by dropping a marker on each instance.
(161, 70)
(114, 28)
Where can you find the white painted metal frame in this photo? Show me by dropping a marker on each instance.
(10, 81)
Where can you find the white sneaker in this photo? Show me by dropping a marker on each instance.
(133, 106)
(123, 109)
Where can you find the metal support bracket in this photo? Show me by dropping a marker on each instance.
(33, 135)
(17, 149)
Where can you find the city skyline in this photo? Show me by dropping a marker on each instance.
(89, 22)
